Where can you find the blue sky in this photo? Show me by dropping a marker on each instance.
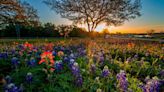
(152, 17)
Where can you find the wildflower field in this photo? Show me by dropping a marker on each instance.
(81, 65)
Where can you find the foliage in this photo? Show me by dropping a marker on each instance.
(95, 12)
(108, 65)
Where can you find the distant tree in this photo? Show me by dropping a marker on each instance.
(95, 12)
(105, 31)
(150, 32)
(78, 32)
(51, 30)
(64, 30)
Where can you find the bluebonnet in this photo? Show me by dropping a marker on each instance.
(75, 69)
(152, 85)
(65, 59)
(8, 79)
(59, 65)
(71, 62)
(79, 81)
(76, 73)
(93, 68)
(29, 77)
(54, 53)
(105, 72)
(143, 88)
(12, 88)
(72, 56)
(31, 62)
(162, 73)
(15, 61)
(122, 81)
(3, 55)
(135, 56)
(129, 59)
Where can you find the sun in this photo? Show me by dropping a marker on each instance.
(100, 27)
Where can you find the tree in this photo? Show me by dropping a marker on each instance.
(95, 12)
(150, 32)
(14, 11)
(64, 30)
(32, 17)
(9, 9)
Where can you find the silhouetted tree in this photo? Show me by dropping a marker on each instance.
(9, 9)
(95, 12)
(32, 17)
(150, 32)
(15, 11)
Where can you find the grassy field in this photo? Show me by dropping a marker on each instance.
(81, 65)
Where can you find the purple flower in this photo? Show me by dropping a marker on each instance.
(93, 68)
(122, 81)
(75, 69)
(152, 85)
(101, 58)
(162, 73)
(72, 55)
(76, 73)
(32, 62)
(8, 79)
(15, 61)
(79, 81)
(12, 88)
(3, 55)
(29, 77)
(143, 88)
(105, 72)
(58, 65)
(54, 53)
(65, 59)
(135, 56)
(71, 62)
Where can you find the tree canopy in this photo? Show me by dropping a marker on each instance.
(95, 12)
(12, 11)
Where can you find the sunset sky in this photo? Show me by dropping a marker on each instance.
(152, 17)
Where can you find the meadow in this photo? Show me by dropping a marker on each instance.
(81, 65)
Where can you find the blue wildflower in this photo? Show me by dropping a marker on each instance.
(79, 81)
(8, 79)
(122, 81)
(152, 85)
(15, 61)
(93, 68)
(3, 55)
(71, 62)
(58, 65)
(32, 62)
(65, 59)
(29, 77)
(105, 72)
(12, 88)
(54, 53)
(75, 69)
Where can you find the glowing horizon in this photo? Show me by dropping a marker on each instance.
(152, 17)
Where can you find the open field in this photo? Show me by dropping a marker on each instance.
(81, 65)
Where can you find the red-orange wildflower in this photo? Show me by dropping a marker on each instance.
(49, 46)
(28, 45)
(47, 56)
(131, 45)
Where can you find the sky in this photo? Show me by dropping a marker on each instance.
(152, 17)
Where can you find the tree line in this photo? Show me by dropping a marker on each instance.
(20, 19)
